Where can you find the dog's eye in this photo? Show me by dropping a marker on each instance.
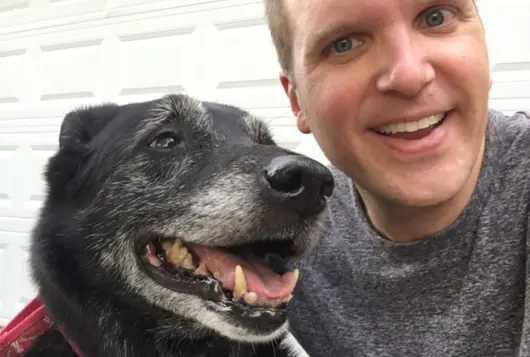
(166, 140)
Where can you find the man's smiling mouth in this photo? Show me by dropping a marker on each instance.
(412, 130)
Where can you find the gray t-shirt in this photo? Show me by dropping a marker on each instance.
(462, 292)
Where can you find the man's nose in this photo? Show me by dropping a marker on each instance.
(407, 69)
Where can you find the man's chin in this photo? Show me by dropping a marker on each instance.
(420, 191)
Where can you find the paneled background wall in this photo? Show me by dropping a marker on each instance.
(56, 54)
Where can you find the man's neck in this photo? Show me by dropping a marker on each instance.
(409, 224)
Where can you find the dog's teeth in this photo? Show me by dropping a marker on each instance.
(181, 254)
(175, 252)
(172, 245)
(296, 275)
(201, 270)
(154, 261)
(188, 263)
(240, 283)
(251, 298)
(268, 302)
(263, 302)
(178, 255)
(150, 252)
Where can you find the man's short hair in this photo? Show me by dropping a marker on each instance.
(281, 32)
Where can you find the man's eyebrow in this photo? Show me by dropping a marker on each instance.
(332, 30)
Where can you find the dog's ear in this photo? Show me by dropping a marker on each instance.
(79, 127)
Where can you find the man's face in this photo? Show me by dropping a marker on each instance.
(369, 74)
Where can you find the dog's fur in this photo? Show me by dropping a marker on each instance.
(107, 188)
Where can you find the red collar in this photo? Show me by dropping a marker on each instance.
(16, 338)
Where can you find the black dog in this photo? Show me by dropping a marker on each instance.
(168, 230)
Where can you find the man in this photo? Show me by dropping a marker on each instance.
(426, 252)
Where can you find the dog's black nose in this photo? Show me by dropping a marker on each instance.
(300, 182)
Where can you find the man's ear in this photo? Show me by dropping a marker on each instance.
(289, 89)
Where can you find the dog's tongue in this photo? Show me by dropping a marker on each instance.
(260, 278)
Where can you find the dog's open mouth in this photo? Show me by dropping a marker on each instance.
(253, 276)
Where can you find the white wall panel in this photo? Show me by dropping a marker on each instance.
(25, 146)
(510, 53)
(12, 252)
(13, 64)
(146, 66)
(18, 16)
(66, 70)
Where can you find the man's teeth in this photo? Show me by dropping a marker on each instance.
(411, 126)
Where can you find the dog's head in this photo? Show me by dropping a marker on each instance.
(182, 205)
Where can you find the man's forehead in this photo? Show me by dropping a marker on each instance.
(317, 15)
(311, 19)
(314, 20)
(308, 13)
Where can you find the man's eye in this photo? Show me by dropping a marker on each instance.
(437, 17)
(345, 44)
